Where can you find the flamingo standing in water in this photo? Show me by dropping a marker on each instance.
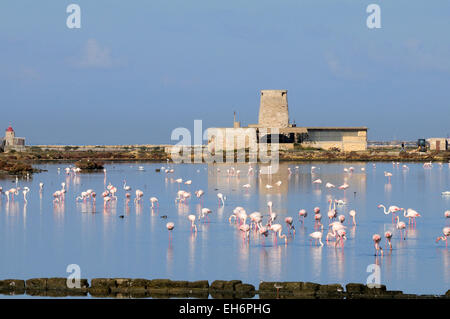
(154, 200)
(204, 213)
(392, 210)
(25, 192)
(332, 212)
(199, 193)
(170, 226)
(41, 187)
(269, 205)
(221, 198)
(192, 220)
(388, 175)
(317, 236)
(289, 223)
(388, 236)
(139, 195)
(125, 186)
(277, 228)
(376, 239)
(302, 213)
(447, 214)
(411, 214)
(401, 226)
(446, 232)
(245, 229)
(352, 213)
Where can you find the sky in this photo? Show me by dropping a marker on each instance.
(137, 70)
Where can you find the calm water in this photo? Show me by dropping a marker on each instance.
(40, 239)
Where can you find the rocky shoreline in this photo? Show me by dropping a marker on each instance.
(218, 289)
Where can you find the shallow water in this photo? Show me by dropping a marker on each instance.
(41, 239)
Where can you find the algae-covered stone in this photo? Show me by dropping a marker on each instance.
(267, 286)
(353, 288)
(231, 285)
(103, 283)
(244, 288)
(179, 284)
(218, 285)
(310, 286)
(138, 282)
(331, 288)
(199, 284)
(36, 284)
(159, 283)
(8, 285)
(122, 282)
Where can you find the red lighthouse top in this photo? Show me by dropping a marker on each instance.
(9, 129)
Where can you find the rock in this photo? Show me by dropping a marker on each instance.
(159, 283)
(179, 284)
(447, 294)
(375, 289)
(141, 283)
(36, 284)
(310, 286)
(217, 285)
(231, 285)
(199, 284)
(353, 288)
(331, 288)
(244, 288)
(9, 285)
(103, 283)
(122, 282)
(267, 286)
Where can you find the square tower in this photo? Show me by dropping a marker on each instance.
(273, 109)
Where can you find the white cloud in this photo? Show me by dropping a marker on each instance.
(95, 56)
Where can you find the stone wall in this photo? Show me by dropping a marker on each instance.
(273, 109)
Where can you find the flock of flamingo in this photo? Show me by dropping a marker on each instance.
(262, 223)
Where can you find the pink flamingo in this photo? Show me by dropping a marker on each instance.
(289, 223)
(332, 212)
(204, 213)
(352, 213)
(401, 226)
(388, 175)
(446, 232)
(302, 215)
(192, 220)
(154, 200)
(341, 236)
(392, 210)
(170, 226)
(139, 195)
(277, 228)
(376, 239)
(388, 236)
(317, 236)
(317, 220)
(447, 214)
(411, 214)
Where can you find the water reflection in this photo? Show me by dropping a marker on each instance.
(130, 239)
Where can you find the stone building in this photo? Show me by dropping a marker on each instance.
(438, 143)
(11, 142)
(274, 120)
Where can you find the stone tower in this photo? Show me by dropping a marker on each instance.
(9, 136)
(273, 109)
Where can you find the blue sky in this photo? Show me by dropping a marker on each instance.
(136, 70)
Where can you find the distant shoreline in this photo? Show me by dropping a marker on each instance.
(15, 162)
